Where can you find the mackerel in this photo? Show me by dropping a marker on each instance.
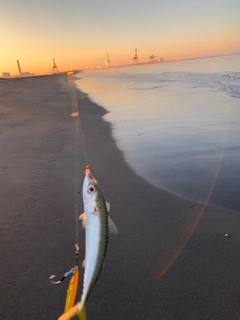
(97, 224)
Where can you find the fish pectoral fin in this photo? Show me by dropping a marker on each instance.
(112, 229)
(83, 218)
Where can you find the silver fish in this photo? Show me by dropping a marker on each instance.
(97, 224)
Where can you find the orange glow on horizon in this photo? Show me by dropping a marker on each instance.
(39, 61)
(171, 32)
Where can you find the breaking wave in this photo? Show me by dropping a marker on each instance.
(217, 82)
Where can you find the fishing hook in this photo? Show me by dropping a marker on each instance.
(71, 271)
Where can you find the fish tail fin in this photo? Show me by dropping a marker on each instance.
(82, 315)
(79, 309)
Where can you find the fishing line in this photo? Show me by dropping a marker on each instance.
(75, 114)
(80, 142)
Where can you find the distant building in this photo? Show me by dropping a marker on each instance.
(152, 58)
(26, 74)
(135, 58)
(55, 68)
(6, 75)
(107, 61)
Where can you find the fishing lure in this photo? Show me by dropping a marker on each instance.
(73, 283)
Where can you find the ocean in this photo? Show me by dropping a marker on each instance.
(177, 123)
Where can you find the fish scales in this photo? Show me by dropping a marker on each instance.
(96, 223)
(103, 240)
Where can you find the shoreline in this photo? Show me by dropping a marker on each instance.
(159, 266)
(204, 139)
(128, 65)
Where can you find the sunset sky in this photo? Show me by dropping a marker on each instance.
(79, 34)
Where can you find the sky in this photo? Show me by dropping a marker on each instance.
(80, 33)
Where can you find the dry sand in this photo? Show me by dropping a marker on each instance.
(159, 266)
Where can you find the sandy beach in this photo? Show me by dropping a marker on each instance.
(171, 259)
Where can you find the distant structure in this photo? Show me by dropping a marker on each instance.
(6, 75)
(152, 58)
(23, 74)
(19, 68)
(135, 58)
(55, 68)
(107, 61)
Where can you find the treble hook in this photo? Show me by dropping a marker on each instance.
(71, 271)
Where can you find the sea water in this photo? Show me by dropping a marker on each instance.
(177, 123)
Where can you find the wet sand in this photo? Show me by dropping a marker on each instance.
(159, 266)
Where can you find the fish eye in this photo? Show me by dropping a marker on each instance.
(91, 189)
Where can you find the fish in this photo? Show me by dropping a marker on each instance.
(97, 225)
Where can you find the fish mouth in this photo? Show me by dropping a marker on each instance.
(87, 170)
(89, 175)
